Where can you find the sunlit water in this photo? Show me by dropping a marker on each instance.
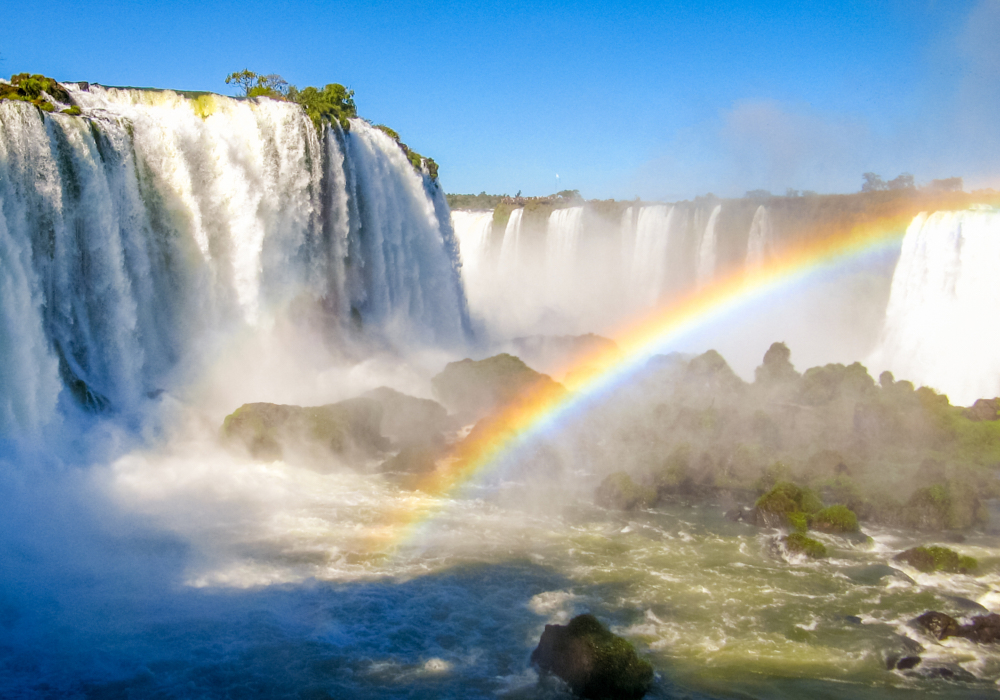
(210, 576)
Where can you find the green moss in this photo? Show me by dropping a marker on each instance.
(798, 521)
(934, 558)
(73, 111)
(837, 519)
(800, 544)
(25, 87)
(787, 497)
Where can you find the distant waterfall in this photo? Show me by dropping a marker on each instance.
(510, 247)
(707, 249)
(128, 234)
(940, 328)
(649, 258)
(760, 240)
(562, 237)
(473, 229)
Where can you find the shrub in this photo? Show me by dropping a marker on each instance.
(800, 544)
(836, 519)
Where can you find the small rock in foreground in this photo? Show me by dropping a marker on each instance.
(594, 662)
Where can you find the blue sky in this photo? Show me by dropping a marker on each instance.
(658, 100)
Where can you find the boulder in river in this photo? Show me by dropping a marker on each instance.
(594, 662)
(931, 559)
(268, 430)
(984, 629)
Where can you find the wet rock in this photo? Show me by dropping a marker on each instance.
(908, 662)
(931, 559)
(852, 619)
(937, 624)
(739, 514)
(595, 663)
(873, 574)
(800, 544)
(984, 629)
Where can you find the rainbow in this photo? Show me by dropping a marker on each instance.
(594, 376)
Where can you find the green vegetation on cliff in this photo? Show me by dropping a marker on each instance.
(39, 91)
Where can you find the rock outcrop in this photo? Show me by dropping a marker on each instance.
(268, 431)
(595, 663)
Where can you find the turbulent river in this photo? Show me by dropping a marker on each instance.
(165, 259)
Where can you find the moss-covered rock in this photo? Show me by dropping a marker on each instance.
(800, 544)
(836, 519)
(594, 662)
(785, 499)
(619, 492)
(478, 388)
(934, 558)
(268, 431)
(953, 505)
(984, 629)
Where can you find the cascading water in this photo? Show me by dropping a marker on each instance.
(707, 249)
(561, 241)
(132, 234)
(940, 322)
(649, 258)
(760, 240)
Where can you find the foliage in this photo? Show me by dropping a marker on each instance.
(836, 519)
(334, 104)
(481, 201)
(416, 160)
(934, 558)
(800, 544)
(24, 87)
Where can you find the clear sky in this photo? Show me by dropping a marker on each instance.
(663, 100)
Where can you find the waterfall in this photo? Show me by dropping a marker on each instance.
(940, 326)
(473, 230)
(649, 257)
(759, 242)
(131, 234)
(562, 236)
(510, 247)
(706, 249)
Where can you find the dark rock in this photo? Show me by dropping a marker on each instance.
(739, 514)
(595, 663)
(937, 624)
(852, 619)
(984, 629)
(907, 662)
